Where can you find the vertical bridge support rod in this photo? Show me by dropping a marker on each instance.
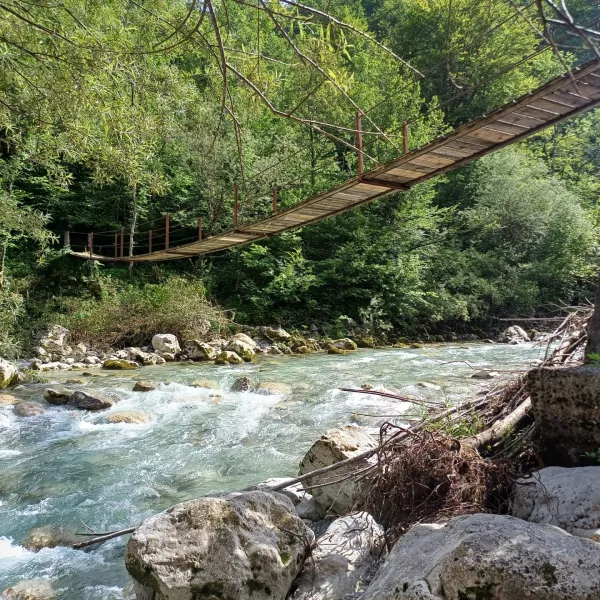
(116, 251)
(405, 137)
(235, 205)
(122, 241)
(199, 229)
(91, 243)
(167, 226)
(274, 200)
(150, 242)
(359, 145)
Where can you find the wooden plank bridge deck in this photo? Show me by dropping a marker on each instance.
(555, 101)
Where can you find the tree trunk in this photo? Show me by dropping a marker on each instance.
(134, 215)
(2, 261)
(593, 338)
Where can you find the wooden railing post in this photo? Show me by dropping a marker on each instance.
(274, 200)
(150, 242)
(405, 137)
(359, 145)
(199, 229)
(235, 205)
(122, 241)
(91, 243)
(116, 244)
(67, 241)
(167, 227)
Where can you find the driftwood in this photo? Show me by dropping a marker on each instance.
(104, 538)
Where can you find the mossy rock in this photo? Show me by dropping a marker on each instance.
(119, 364)
(228, 358)
(144, 386)
(331, 349)
(303, 350)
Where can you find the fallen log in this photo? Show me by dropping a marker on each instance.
(104, 538)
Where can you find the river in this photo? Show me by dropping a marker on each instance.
(68, 467)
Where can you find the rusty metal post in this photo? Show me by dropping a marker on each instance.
(199, 229)
(122, 241)
(359, 145)
(274, 200)
(405, 137)
(150, 242)
(91, 243)
(235, 205)
(167, 227)
(116, 244)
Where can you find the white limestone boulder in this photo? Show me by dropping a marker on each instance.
(488, 557)
(242, 348)
(514, 335)
(334, 446)
(243, 546)
(342, 560)
(8, 374)
(166, 343)
(567, 498)
(198, 350)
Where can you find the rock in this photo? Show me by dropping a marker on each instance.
(29, 409)
(366, 341)
(30, 589)
(8, 374)
(427, 385)
(242, 348)
(514, 335)
(91, 360)
(488, 342)
(566, 407)
(205, 383)
(242, 337)
(166, 356)
(166, 342)
(133, 417)
(488, 557)
(8, 400)
(56, 396)
(53, 338)
(331, 349)
(294, 492)
(567, 498)
(275, 334)
(334, 446)
(144, 358)
(482, 374)
(93, 400)
(144, 386)
(48, 536)
(119, 364)
(75, 381)
(244, 384)
(271, 387)
(341, 560)
(242, 546)
(198, 350)
(228, 358)
(302, 350)
(345, 344)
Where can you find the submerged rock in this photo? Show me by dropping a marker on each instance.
(244, 384)
(8, 400)
(48, 536)
(30, 589)
(57, 396)
(8, 374)
(488, 557)
(133, 417)
(334, 446)
(273, 387)
(144, 386)
(567, 498)
(93, 400)
(483, 374)
(205, 383)
(119, 364)
(228, 358)
(198, 350)
(243, 546)
(166, 342)
(341, 560)
(29, 409)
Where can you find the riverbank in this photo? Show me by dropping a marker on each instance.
(66, 466)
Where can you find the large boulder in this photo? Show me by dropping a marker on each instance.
(514, 335)
(242, 348)
(198, 350)
(166, 343)
(243, 546)
(567, 498)
(53, 339)
(275, 334)
(488, 557)
(342, 559)
(29, 409)
(334, 446)
(566, 406)
(144, 358)
(344, 344)
(228, 358)
(144, 386)
(119, 364)
(93, 400)
(57, 396)
(242, 337)
(8, 374)
(30, 589)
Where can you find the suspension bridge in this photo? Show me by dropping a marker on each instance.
(561, 98)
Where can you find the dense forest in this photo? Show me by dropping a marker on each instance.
(114, 114)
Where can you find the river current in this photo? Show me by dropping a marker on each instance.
(69, 467)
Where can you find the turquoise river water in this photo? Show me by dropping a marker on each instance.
(66, 467)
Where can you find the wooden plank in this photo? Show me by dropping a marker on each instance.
(517, 119)
(491, 136)
(449, 152)
(432, 160)
(507, 127)
(485, 143)
(567, 99)
(407, 174)
(582, 89)
(462, 144)
(536, 113)
(420, 168)
(553, 107)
